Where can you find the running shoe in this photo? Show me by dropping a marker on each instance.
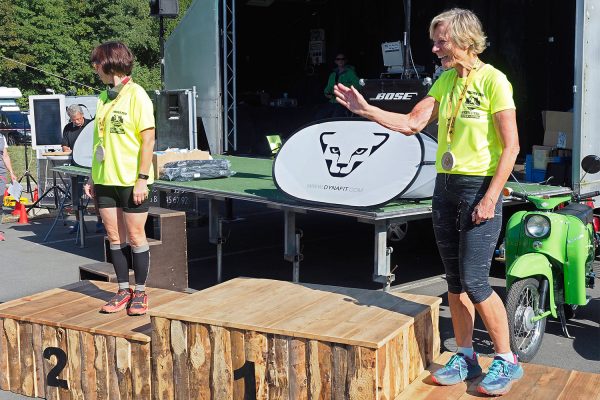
(138, 304)
(119, 302)
(2, 238)
(500, 377)
(458, 369)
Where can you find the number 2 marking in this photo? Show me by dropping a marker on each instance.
(61, 361)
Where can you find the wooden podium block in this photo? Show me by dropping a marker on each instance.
(57, 345)
(167, 237)
(266, 339)
(541, 381)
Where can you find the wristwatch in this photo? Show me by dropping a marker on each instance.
(142, 176)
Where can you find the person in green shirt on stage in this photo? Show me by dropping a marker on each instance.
(478, 145)
(344, 74)
(122, 172)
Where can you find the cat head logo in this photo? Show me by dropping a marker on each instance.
(343, 156)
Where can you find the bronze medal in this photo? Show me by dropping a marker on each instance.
(448, 161)
(99, 153)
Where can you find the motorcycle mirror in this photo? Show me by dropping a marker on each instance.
(591, 164)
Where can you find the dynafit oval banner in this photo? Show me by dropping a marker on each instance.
(355, 163)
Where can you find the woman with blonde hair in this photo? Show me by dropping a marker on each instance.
(477, 149)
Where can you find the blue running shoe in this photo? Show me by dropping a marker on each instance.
(459, 368)
(500, 377)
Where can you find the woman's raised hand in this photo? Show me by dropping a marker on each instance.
(350, 98)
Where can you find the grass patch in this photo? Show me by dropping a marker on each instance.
(17, 158)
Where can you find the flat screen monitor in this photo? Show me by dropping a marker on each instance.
(48, 118)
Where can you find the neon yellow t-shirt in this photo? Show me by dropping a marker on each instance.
(122, 142)
(475, 142)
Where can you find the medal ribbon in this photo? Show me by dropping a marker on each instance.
(453, 115)
(102, 120)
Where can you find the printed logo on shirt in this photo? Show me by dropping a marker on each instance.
(471, 105)
(116, 124)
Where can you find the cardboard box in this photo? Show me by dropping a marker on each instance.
(558, 129)
(159, 160)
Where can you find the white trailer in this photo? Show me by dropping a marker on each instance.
(586, 92)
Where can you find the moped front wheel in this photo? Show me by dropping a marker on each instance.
(523, 304)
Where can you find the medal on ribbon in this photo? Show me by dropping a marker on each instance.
(99, 154)
(448, 161)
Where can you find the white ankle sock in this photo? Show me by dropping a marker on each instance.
(510, 357)
(466, 351)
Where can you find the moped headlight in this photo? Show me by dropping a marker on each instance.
(537, 226)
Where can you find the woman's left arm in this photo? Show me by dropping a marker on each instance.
(140, 190)
(8, 164)
(505, 123)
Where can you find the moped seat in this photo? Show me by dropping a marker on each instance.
(581, 211)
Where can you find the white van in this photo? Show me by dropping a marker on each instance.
(14, 125)
(8, 98)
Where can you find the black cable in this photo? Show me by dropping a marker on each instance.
(49, 73)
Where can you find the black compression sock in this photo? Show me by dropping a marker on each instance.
(121, 256)
(141, 265)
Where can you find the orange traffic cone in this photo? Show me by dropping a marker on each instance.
(17, 209)
(23, 215)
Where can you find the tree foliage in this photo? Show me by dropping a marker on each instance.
(55, 38)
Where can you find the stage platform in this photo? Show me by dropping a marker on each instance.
(57, 345)
(539, 383)
(267, 339)
(253, 182)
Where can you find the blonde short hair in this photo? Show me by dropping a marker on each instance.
(464, 29)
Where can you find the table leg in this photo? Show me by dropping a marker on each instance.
(215, 234)
(292, 243)
(78, 203)
(382, 272)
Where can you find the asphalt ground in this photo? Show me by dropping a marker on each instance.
(337, 251)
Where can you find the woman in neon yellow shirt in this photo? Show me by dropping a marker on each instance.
(478, 146)
(122, 171)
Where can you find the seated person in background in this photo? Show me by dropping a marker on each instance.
(71, 132)
(344, 74)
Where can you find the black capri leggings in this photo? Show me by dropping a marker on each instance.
(466, 248)
(120, 197)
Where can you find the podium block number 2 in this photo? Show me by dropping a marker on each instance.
(61, 361)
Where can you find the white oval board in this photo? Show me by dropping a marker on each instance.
(82, 149)
(353, 163)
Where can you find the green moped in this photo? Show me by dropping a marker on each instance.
(549, 255)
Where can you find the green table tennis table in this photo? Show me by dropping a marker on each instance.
(253, 182)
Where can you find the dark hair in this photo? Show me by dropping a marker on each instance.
(114, 58)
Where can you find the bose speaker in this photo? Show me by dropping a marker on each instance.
(164, 8)
(395, 95)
